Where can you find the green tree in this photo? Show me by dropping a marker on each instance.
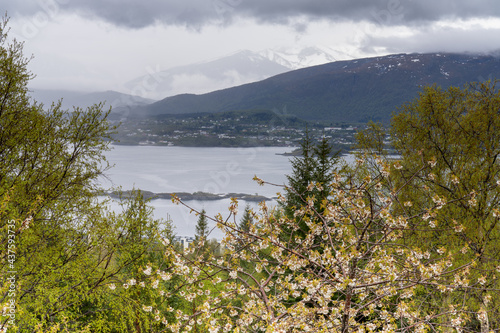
(246, 220)
(372, 137)
(326, 161)
(303, 169)
(201, 233)
(69, 249)
(315, 166)
(456, 133)
(310, 180)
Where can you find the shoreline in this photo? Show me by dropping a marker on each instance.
(186, 196)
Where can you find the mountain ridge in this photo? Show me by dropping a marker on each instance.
(237, 68)
(72, 99)
(353, 91)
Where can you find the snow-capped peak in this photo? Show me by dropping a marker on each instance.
(296, 58)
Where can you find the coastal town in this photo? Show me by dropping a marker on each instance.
(227, 131)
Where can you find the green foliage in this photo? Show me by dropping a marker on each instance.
(326, 161)
(67, 250)
(246, 220)
(312, 169)
(456, 134)
(201, 231)
(372, 138)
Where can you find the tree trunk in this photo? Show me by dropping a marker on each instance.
(347, 311)
(485, 323)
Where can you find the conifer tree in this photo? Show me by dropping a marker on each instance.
(246, 220)
(309, 183)
(325, 167)
(312, 173)
(303, 172)
(202, 231)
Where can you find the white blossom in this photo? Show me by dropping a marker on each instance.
(148, 270)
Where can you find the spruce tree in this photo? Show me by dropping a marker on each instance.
(303, 170)
(312, 174)
(325, 166)
(201, 232)
(246, 220)
(315, 165)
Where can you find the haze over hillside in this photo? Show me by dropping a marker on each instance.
(235, 69)
(350, 91)
(80, 99)
(353, 91)
(229, 71)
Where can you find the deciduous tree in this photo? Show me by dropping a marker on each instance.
(457, 131)
(67, 251)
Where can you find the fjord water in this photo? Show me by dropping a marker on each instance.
(187, 169)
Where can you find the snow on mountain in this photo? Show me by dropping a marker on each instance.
(235, 69)
(232, 70)
(351, 91)
(296, 58)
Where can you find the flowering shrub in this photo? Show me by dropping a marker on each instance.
(350, 270)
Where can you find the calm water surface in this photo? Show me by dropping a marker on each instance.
(186, 169)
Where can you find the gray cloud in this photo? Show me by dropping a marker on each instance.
(473, 40)
(197, 13)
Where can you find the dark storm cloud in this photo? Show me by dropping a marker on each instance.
(384, 12)
(196, 13)
(124, 13)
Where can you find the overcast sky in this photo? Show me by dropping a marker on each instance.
(100, 44)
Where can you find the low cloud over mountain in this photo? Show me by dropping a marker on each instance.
(236, 69)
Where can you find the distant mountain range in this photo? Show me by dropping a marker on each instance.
(233, 70)
(307, 83)
(84, 100)
(350, 91)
